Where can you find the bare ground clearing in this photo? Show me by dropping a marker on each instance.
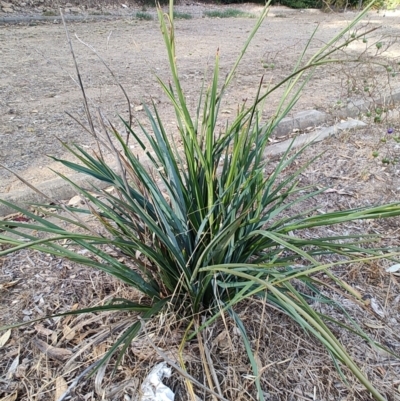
(36, 86)
(36, 90)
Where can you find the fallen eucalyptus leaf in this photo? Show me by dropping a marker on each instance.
(13, 368)
(5, 337)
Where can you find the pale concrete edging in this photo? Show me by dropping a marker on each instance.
(305, 139)
(300, 121)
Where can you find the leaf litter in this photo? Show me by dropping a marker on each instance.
(293, 365)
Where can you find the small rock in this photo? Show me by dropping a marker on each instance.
(7, 9)
(6, 5)
(68, 5)
(138, 108)
(76, 201)
(75, 10)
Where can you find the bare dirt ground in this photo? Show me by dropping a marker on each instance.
(36, 90)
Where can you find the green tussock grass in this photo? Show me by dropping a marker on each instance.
(143, 16)
(228, 13)
(179, 15)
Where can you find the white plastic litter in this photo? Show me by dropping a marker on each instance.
(153, 388)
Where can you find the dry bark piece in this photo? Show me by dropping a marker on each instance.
(42, 330)
(52, 352)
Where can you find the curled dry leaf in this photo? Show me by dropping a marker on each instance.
(69, 334)
(377, 308)
(52, 352)
(61, 387)
(5, 337)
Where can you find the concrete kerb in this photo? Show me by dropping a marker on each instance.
(300, 121)
(354, 109)
(305, 139)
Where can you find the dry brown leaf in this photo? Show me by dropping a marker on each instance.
(52, 352)
(42, 330)
(61, 387)
(68, 318)
(5, 337)
(69, 334)
(99, 350)
(10, 397)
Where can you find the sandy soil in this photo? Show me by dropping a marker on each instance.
(37, 82)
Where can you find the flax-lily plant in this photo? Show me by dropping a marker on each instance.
(204, 226)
